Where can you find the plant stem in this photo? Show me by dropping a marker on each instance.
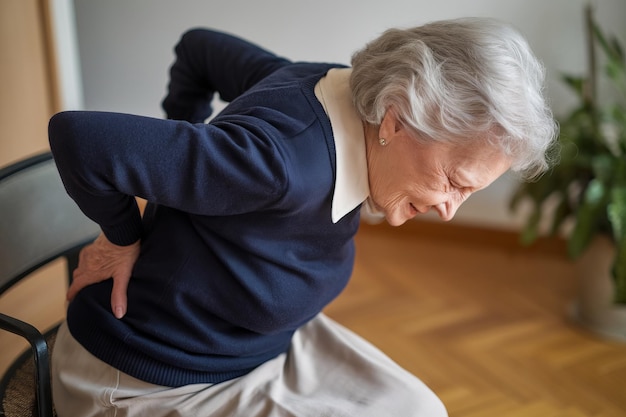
(590, 88)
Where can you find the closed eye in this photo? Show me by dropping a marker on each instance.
(459, 187)
(464, 192)
(455, 185)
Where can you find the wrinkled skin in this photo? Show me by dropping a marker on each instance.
(408, 177)
(103, 260)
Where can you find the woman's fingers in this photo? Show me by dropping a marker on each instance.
(118, 295)
(103, 260)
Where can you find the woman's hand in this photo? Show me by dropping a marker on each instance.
(102, 260)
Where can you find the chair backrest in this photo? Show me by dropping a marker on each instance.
(39, 222)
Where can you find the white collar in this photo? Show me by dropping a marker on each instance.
(351, 184)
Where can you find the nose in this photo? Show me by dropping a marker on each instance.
(446, 211)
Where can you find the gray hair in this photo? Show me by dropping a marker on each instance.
(464, 78)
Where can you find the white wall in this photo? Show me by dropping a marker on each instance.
(66, 49)
(126, 47)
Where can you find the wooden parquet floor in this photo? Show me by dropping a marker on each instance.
(481, 321)
(485, 326)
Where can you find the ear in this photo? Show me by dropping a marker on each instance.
(390, 125)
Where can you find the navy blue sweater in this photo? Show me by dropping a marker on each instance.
(238, 248)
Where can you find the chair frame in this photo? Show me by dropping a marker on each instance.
(35, 338)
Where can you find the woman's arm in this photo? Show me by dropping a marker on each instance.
(208, 62)
(106, 159)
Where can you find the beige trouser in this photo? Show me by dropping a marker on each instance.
(328, 371)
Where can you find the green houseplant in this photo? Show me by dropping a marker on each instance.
(587, 188)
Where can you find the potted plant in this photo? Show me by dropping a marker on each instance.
(586, 190)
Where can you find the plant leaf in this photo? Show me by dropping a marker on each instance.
(561, 213)
(617, 216)
(592, 208)
(616, 211)
(577, 84)
(603, 167)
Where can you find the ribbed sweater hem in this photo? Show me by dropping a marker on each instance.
(138, 364)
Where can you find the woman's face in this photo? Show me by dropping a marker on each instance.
(408, 177)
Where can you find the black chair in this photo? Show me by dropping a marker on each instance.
(39, 223)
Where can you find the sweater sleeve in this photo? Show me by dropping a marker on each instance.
(105, 159)
(208, 62)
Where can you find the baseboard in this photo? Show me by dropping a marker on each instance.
(471, 235)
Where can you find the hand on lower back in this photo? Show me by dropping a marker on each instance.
(102, 260)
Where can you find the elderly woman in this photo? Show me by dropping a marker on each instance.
(217, 292)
